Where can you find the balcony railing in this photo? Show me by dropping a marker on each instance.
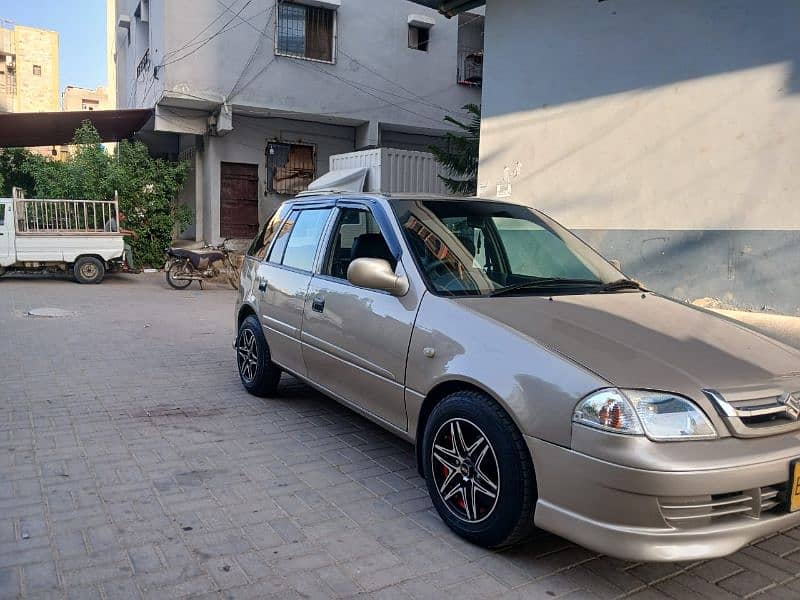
(144, 64)
(470, 66)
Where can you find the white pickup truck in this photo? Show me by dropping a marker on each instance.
(78, 236)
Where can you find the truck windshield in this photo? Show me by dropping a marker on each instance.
(490, 248)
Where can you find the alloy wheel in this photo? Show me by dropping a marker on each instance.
(465, 470)
(247, 355)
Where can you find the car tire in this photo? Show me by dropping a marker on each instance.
(454, 457)
(260, 376)
(88, 269)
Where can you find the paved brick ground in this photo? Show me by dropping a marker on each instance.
(132, 464)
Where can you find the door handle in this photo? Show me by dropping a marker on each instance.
(318, 304)
(262, 285)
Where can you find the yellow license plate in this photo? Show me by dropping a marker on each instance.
(794, 487)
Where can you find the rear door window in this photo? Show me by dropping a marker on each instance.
(304, 239)
(258, 249)
(2, 214)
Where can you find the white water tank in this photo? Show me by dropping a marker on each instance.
(391, 170)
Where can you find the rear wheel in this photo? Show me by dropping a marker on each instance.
(177, 269)
(88, 269)
(259, 375)
(233, 275)
(479, 471)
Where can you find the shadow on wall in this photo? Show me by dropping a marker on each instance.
(622, 45)
(750, 269)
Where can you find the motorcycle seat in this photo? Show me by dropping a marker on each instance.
(197, 258)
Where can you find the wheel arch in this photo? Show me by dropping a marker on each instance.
(438, 393)
(245, 310)
(97, 256)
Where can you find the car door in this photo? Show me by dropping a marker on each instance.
(282, 282)
(355, 340)
(6, 235)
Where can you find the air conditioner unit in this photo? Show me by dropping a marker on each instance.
(10, 61)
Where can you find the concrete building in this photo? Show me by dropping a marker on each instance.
(28, 69)
(666, 133)
(75, 98)
(258, 96)
(78, 98)
(111, 52)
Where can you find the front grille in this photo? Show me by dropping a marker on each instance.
(697, 511)
(755, 417)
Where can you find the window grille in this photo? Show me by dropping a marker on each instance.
(290, 167)
(37, 69)
(305, 31)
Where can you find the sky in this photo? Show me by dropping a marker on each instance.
(81, 25)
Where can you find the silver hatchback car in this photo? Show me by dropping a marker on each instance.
(540, 386)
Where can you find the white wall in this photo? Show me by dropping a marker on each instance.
(374, 33)
(645, 114)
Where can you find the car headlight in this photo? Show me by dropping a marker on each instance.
(659, 415)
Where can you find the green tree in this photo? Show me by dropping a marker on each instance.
(460, 157)
(12, 173)
(147, 190)
(147, 187)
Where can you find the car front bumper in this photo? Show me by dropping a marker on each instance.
(634, 513)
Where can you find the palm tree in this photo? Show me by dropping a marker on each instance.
(460, 157)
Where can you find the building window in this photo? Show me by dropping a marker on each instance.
(305, 31)
(37, 69)
(290, 167)
(418, 37)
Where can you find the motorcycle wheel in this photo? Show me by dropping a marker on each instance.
(176, 269)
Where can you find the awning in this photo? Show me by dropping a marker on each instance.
(55, 128)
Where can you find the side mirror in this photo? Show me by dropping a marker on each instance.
(376, 274)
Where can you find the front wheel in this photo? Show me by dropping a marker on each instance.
(179, 268)
(259, 375)
(479, 471)
(88, 269)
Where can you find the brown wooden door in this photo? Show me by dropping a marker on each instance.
(238, 199)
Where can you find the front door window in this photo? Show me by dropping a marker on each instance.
(357, 235)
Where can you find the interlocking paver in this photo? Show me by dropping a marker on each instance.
(133, 464)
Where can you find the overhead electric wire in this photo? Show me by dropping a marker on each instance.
(311, 65)
(359, 86)
(211, 37)
(253, 54)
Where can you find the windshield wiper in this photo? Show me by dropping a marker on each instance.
(620, 284)
(544, 283)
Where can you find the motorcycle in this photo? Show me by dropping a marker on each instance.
(185, 266)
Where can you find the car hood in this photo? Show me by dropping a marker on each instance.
(637, 340)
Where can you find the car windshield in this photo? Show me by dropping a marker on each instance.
(480, 247)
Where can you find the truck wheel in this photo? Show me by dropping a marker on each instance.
(479, 471)
(259, 375)
(88, 269)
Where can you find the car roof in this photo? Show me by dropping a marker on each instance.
(311, 197)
